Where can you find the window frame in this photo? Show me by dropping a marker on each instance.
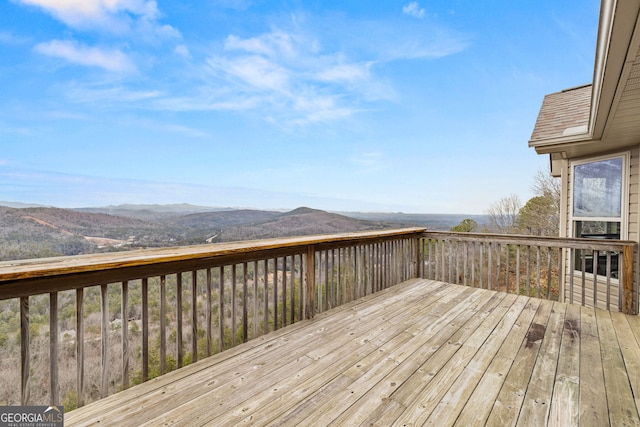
(623, 219)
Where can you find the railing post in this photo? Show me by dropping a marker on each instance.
(310, 294)
(627, 280)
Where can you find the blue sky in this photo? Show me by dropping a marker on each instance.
(339, 105)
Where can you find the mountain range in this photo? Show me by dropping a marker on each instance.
(28, 231)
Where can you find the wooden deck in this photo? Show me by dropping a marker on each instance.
(422, 352)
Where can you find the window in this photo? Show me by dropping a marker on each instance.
(597, 213)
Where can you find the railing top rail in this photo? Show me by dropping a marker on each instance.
(11, 271)
(518, 239)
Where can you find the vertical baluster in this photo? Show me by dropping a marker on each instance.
(518, 269)
(548, 273)
(538, 271)
(584, 273)
(594, 256)
(163, 324)
(327, 287)
(528, 272)
(221, 308)
(255, 299)
(319, 281)
(473, 264)
(301, 281)
(265, 323)
(490, 268)
(506, 268)
(53, 349)
(608, 280)
(245, 301)
(560, 274)
(275, 294)
(124, 315)
(80, 346)
(25, 354)
(284, 291)
(104, 385)
(145, 329)
(572, 262)
(194, 316)
(465, 263)
(179, 318)
(499, 265)
(292, 275)
(481, 266)
(208, 319)
(233, 305)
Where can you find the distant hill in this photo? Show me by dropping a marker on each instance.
(439, 222)
(300, 222)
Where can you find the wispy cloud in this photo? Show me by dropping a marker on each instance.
(8, 38)
(413, 9)
(76, 53)
(108, 15)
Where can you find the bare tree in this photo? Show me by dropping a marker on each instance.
(503, 214)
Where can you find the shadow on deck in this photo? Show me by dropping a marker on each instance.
(419, 352)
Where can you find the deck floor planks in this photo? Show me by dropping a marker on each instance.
(480, 402)
(368, 372)
(565, 402)
(622, 407)
(630, 352)
(320, 376)
(504, 334)
(537, 400)
(507, 405)
(420, 349)
(146, 399)
(376, 398)
(419, 409)
(381, 404)
(278, 366)
(593, 401)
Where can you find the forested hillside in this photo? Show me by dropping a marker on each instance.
(36, 232)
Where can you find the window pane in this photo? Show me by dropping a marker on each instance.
(597, 230)
(597, 189)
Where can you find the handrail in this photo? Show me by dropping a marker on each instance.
(26, 277)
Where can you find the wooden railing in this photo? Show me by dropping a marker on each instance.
(105, 322)
(75, 329)
(560, 269)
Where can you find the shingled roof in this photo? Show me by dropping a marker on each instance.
(563, 113)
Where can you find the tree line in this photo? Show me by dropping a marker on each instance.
(539, 216)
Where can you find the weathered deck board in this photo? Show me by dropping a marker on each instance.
(422, 351)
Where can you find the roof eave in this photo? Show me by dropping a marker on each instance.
(616, 34)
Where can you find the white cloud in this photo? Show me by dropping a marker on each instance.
(255, 71)
(114, 16)
(108, 59)
(82, 13)
(345, 72)
(183, 51)
(413, 9)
